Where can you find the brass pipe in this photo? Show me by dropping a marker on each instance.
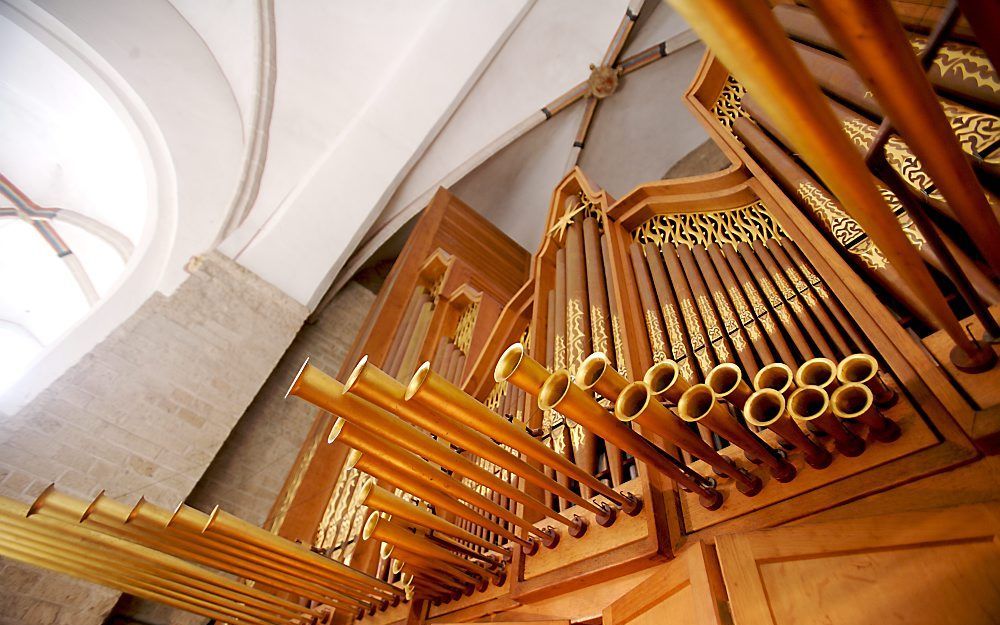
(374, 465)
(819, 372)
(412, 464)
(811, 404)
(377, 498)
(431, 581)
(766, 409)
(726, 381)
(665, 381)
(459, 573)
(323, 391)
(863, 369)
(454, 545)
(371, 383)
(595, 373)
(431, 390)
(855, 401)
(699, 405)
(559, 393)
(776, 376)
(404, 566)
(636, 403)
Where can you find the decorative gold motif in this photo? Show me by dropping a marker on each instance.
(693, 324)
(746, 317)
(967, 63)
(740, 225)
(575, 349)
(464, 327)
(560, 355)
(599, 330)
(714, 332)
(294, 482)
(978, 133)
(729, 106)
(674, 333)
(725, 312)
(616, 332)
(897, 153)
(655, 337)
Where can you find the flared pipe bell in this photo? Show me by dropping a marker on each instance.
(766, 409)
(855, 401)
(596, 373)
(811, 404)
(776, 376)
(726, 381)
(665, 381)
(863, 369)
(818, 372)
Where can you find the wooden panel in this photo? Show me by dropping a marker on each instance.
(916, 567)
(687, 591)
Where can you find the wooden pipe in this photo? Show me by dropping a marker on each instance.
(863, 369)
(855, 401)
(811, 404)
(766, 409)
(596, 373)
(699, 405)
(559, 393)
(636, 403)
(726, 381)
(818, 372)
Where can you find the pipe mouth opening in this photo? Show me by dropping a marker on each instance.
(764, 407)
(356, 373)
(133, 514)
(366, 490)
(36, 505)
(216, 511)
(508, 363)
(632, 401)
(591, 370)
(857, 368)
(396, 567)
(353, 458)
(696, 403)
(417, 380)
(338, 427)
(554, 390)
(293, 388)
(809, 402)
(386, 550)
(661, 376)
(817, 372)
(724, 378)
(777, 376)
(852, 400)
(370, 524)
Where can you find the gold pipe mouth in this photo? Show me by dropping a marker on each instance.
(293, 388)
(777, 376)
(554, 390)
(366, 491)
(508, 363)
(417, 380)
(857, 368)
(661, 376)
(356, 373)
(591, 370)
(724, 378)
(353, 458)
(851, 400)
(338, 427)
(764, 407)
(696, 403)
(808, 402)
(632, 401)
(370, 524)
(819, 372)
(386, 550)
(396, 567)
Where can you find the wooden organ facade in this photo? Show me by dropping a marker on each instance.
(717, 399)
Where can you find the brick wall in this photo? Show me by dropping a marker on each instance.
(144, 413)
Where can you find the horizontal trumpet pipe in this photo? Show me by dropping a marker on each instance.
(366, 442)
(460, 574)
(863, 369)
(636, 403)
(856, 401)
(447, 543)
(766, 409)
(699, 405)
(818, 372)
(371, 383)
(430, 389)
(665, 381)
(726, 381)
(596, 373)
(776, 376)
(812, 404)
(559, 393)
(377, 498)
(323, 391)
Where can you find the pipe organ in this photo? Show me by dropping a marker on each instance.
(688, 387)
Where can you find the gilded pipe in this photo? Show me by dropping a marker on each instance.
(665, 381)
(430, 389)
(459, 573)
(776, 376)
(595, 373)
(699, 405)
(811, 404)
(766, 408)
(636, 403)
(726, 381)
(559, 393)
(452, 544)
(819, 372)
(856, 401)
(863, 369)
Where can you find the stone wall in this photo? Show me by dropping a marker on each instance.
(144, 413)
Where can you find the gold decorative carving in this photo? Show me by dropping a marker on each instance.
(616, 331)
(693, 324)
(725, 312)
(598, 329)
(713, 330)
(674, 333)
(741, 225)
(575, 349)
(729, 105)
(967, 63)
(464, 327)
(655, 337)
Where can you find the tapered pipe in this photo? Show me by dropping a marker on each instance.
(431, 390)
(377, 498)
(325, 392)
(665, 381)
(559, 393)
(811, 404)
(636, 403)
(863, 369)
(766, 408)
(596, 373)
(699, 405)
(819, 372)
(371, 383)
(776, 376)
(855, 401)
(458, 572)
(726, 381)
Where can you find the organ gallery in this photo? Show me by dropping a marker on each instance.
(768, 394)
